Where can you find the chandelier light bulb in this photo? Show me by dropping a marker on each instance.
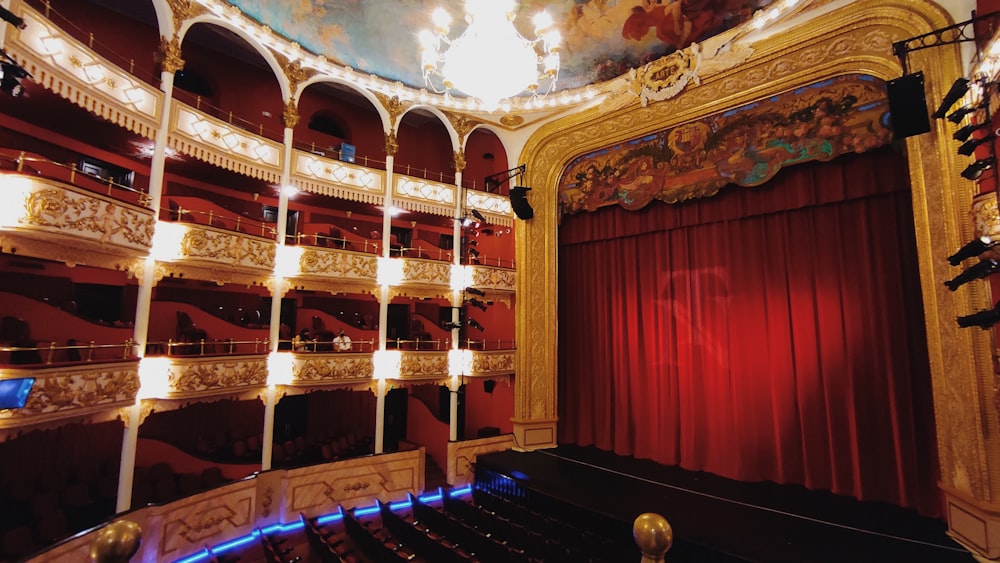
(490, 61)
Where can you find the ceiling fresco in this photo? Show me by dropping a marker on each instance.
(602, 39)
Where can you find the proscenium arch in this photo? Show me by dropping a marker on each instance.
(856, 38)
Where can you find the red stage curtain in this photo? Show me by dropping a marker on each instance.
(771, 333)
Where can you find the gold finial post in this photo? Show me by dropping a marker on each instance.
(116, 543)
(653, 535)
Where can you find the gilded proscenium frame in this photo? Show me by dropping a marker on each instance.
(856, 38)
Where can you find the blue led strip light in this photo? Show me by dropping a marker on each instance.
(321, 520)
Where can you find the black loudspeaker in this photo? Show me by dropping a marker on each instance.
(489, 385)
(908, 106)
(519, 202)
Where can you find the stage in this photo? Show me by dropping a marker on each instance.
(720, 520)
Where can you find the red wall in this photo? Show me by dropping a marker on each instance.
(488, 409)
(425, 430)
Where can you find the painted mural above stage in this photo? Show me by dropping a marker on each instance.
(602, 39)
(744, 146)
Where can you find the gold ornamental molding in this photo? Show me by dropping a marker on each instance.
(985, 219)
(500, 362)
(71, 392)
(319, 174)
(199, 377)
(494, 278)
(63, 65)
(343, 265)
(49, 219)
(331, 370)
(228, 247)
(416, 365)
(212, 140)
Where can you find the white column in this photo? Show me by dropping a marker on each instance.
(267, 442)
(267, 436)
(456, 302)
(382, 387)
(140, 333)
(126, 467)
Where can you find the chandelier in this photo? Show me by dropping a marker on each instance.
(491, 60)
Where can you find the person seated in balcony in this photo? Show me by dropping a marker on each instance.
(301, 341)
(342, 342)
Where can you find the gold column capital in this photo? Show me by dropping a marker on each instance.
(169, 55)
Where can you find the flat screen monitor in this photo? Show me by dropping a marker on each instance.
(347, 152)
(14, 392)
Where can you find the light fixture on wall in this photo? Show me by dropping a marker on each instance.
(974, 247)
(983, 319)
(982, 269)
(955, 93)
(490, 61)
(976, 169)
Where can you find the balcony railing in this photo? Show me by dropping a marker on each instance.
(56, 353)
(229, 222)
(39, 166)
(326, 241)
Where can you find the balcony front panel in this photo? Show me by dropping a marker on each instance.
(212, 140)
(208, 253)
(321, 489)
(499, 362)
(321, 175)
(215, 375)
(423, 365)
(187, 525)
(336, 271)
(93, 391)
(424, 278)
(497, 279)
(318, 369)
(67, 67)
(496, 208)
(48, 219)
(424, 196)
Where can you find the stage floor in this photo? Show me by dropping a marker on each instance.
(731, 520)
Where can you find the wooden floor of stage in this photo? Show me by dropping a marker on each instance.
(718, 520)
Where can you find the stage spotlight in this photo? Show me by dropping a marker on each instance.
(474, 324)
(473, 253)
(975, 247)
(479, 216)
(965, 132)
(10, 79)
(983, 319)
(969, 147)
(980, 270)
(955, 93)
(466, 222)
(475, 291)
(957, 115)
(452, 326)
(476, 303)
(976, 169)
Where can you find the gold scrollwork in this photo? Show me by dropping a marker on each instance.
(169, 55)
(391, 144)
(290, 115)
